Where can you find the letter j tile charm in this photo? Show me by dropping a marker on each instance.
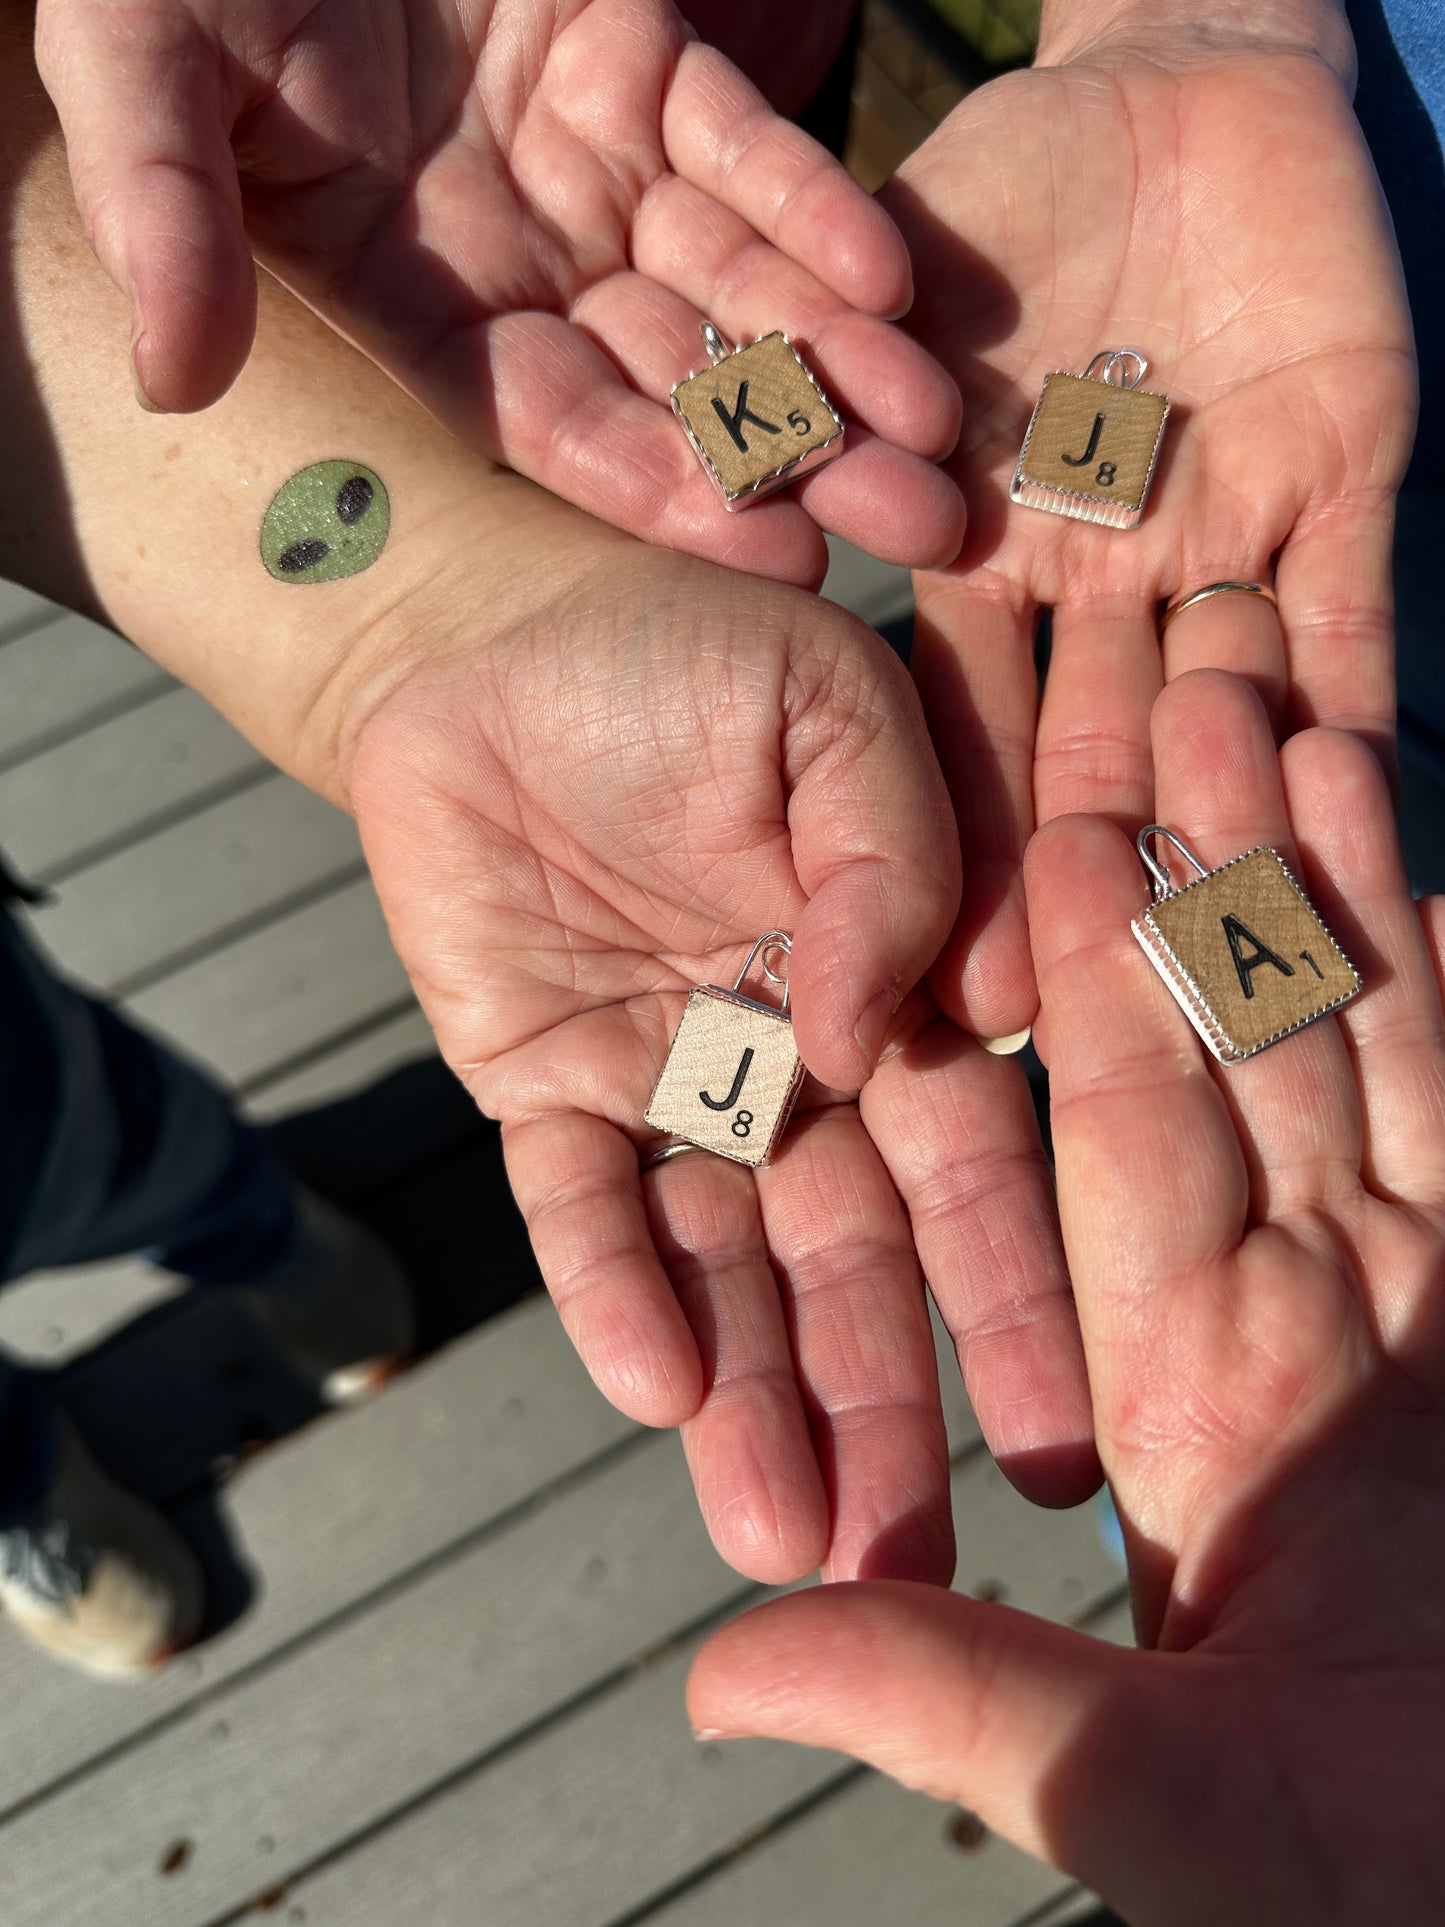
(1093, 442)
(757, 418)
(733, 1071)
(1242, 950)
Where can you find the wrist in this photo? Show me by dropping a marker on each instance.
(459, 607)
(1184, 31)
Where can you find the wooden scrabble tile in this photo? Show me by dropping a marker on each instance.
(758, 420)
(1090, 450)
(1245, 955)
(730, 1078)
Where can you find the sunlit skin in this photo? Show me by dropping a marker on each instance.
(570, 827)
(1211, 203)
(1257, 1256)
(523, 212)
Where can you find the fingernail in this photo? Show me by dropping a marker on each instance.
(704, 1735)
(140, 394)
(1008, 1046)
(872, 1026)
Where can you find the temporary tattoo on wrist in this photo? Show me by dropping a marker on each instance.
(328, 521)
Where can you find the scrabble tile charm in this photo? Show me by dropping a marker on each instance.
(1241, 949)
(733, 1071)
(757, 418)
(1092, 444)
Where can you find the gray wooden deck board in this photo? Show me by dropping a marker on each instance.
(19, 609)
(111, 784)
(611, 1805)
(400, 1040)
(351, 1504)
(331, 1738)
(839, 1866)
(124, 919)
(308, 977)
(63, 676)
(51, 1316)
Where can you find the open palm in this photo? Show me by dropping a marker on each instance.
(572, 828)
(522, 212)
(1258, 1255)
(1217, 211)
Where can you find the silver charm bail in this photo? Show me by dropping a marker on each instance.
(1157, 871)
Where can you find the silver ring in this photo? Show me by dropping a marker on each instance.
(651, 1160)
(1178, 607)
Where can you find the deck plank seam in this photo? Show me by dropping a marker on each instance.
(790, 1816)
(352, 1033)
(610, 1682)
(748, 1593)
(341, 1039)
(108, 712)
(169, 818)
(19, 626)
(206, 1698)
(728, 1856)
(250, 925)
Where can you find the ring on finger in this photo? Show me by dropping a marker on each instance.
(1181, 603)
(649, 1160)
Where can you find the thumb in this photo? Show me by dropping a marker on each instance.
(142, 99)
(875, 848)
(1044, 1732)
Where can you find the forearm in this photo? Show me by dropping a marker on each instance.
(1190, 28)
(153, 524)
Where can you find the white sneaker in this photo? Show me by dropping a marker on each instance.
(97, 1575)
(338, 1309)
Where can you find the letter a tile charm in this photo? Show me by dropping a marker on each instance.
(757, 418)
(1092, 444)
(733, 1071)
(1242, 950)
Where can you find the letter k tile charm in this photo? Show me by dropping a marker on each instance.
(757, 418)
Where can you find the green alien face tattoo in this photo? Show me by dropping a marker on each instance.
(329, 520)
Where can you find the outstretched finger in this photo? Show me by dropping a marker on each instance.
(577, 1184)
(1093, 755)
(748, 1445)
(1218, 783)
(1151, 1179)
(1337, 602)
(863, 1346)
(722, 136)
(143, 102)
(1236, 631)
(1340, 808)
(956, 1127)
(973, 663)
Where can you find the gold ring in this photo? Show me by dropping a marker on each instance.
(651, 1160)
(1178, 607)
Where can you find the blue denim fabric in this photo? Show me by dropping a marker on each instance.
(1400, 102)
(112, 1145)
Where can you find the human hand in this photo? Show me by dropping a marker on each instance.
(1257, 1257)
(576, 824)
(522, 212)
(1214, 206)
